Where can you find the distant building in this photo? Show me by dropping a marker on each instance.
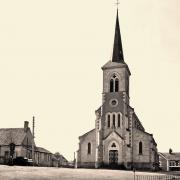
(22, 139)
(119, 139)
(169, 161)
(59, 160)
(43, 157)
(55, 161)
(63, 162)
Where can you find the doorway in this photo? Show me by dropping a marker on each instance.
(113, 158)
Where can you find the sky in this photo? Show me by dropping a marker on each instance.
(51, 54)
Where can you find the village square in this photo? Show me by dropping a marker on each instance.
(118, 146)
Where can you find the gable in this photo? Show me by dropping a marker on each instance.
(28, 139)
(113, 135)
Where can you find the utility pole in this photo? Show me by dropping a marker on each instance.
(74, 159)
(33, 126)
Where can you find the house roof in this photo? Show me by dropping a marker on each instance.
(12, 135)
(42, 150)
(64, 158)
(54, 158)
(173, 156)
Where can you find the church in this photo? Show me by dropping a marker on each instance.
(119, 139)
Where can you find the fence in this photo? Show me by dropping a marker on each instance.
(156, 177)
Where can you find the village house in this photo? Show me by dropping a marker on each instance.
(42, 157)
(169, 161)
(22, 140)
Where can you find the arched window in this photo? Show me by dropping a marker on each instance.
(111, 85)
(116, 85)
(114, 120)
(119, 120)
(108, 120)
(140, 147)
(89, 148)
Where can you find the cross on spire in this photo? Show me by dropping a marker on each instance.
(117, 3)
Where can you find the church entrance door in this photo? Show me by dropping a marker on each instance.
(113, 158)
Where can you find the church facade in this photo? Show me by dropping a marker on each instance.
(119, 139)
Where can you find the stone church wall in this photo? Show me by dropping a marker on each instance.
(85, 159)
(142, 161)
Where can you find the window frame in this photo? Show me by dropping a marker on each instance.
(140, 148)
(89, 148)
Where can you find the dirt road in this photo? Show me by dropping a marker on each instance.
(44, 173)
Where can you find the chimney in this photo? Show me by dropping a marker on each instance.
(26, 126)
(170, 151)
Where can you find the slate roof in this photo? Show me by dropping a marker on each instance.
(40, 149)
(173, 156)
(111, 65)
(87, 133)
(117, 49)
(9, 135)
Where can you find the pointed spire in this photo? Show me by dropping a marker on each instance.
(117, 49)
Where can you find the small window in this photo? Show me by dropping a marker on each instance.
(116, 85)
(108, 121)
(140, 147)
(119, 123)
(111, 85)
(113, 145)
(108, 116)
(114, 120)
(89, 148)
(119, 120)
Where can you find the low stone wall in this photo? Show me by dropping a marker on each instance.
(1, 160)
(86, 165)
(143, 166)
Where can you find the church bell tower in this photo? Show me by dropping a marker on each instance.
(119, 139)
(113, 134)
(116, 72)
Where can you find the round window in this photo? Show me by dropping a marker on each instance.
(113, 102)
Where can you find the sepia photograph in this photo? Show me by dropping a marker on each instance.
(89, 90)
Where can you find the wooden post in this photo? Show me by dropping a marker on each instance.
(134, 170)
(167, 165)
(33, 126)
(74, 159)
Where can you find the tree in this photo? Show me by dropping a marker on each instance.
(57, 155)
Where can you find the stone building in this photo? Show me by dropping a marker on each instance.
(119, 139)
(169, 161)
(22, 139)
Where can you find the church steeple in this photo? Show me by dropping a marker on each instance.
(117, 49)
